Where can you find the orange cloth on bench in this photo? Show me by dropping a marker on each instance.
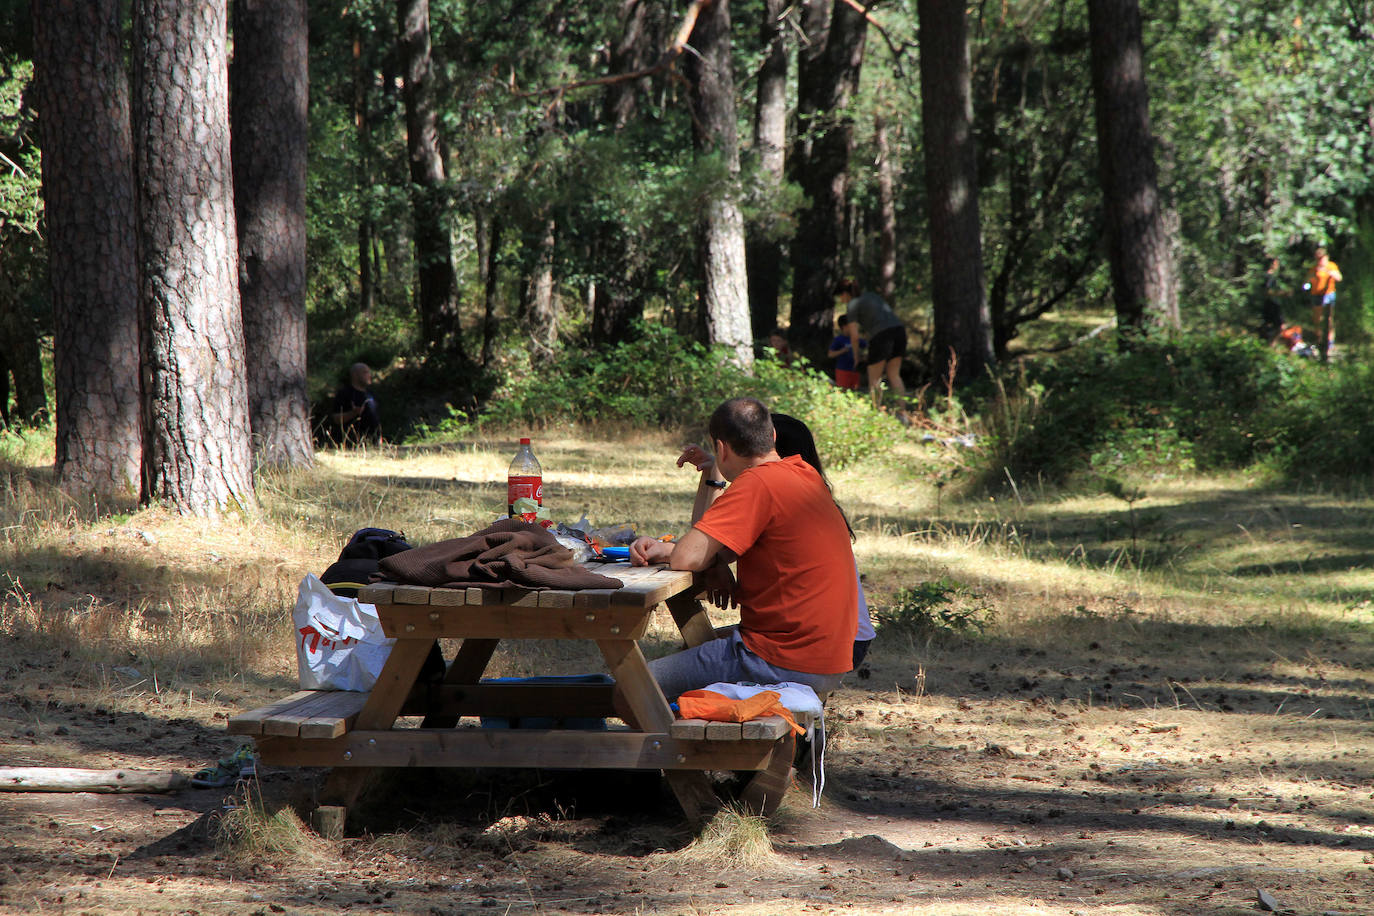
(717, 707)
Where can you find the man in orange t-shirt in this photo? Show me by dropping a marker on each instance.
(797, 593)
(1321, 286)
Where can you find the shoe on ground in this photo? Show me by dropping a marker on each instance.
(242, 764)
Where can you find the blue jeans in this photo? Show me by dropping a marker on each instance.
(728, 660)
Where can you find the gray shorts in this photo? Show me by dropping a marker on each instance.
(728, 660)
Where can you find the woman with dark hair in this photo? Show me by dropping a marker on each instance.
(794, 438)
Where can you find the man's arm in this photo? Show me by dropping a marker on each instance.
(695, 552)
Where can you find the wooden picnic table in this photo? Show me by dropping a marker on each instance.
(355, 733)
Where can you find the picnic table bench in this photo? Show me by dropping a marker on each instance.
(353, 732)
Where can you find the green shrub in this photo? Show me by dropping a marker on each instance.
(1326, 428)
(660, 378)
(1168, 405)
(942, 606)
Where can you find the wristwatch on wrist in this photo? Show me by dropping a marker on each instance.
(717, 484)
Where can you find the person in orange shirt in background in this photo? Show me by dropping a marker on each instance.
(1321, 286)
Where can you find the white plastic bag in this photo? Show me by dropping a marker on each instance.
(339, 644)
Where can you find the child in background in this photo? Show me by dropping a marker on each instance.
(778, 341)
(842, 352)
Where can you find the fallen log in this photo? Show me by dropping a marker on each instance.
(68, 779)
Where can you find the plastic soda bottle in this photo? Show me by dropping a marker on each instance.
(524, 481)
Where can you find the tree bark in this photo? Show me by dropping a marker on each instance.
(963, 324)
(362, 127)
(763, 247)
(88, 189)
(489, 281)
(69, 779)
(887, 211)
(711, 76)
(270, 99)
(615, 303)
(1137, 243)
(196, 454)
(630, 54)
(437, 296)
(827, 78)
(541, 305)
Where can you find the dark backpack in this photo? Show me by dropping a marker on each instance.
(359, 558)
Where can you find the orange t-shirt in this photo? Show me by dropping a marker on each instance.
(1324, 277)
(799, 600)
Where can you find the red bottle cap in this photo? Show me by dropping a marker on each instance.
(525, 441)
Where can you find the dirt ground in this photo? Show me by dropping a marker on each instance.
(1077, 774)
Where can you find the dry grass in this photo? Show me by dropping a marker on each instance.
(251, 831)
(732, 838)
(1179, 684)
(191, 602)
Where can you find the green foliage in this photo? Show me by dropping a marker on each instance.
(658, 377)
(1325, 430)
(1167, 405)
(930, 608)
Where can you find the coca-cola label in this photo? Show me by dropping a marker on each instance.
(525, 488)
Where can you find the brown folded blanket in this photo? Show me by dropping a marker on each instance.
(511, 553)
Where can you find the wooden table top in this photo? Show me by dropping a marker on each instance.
(645, 587)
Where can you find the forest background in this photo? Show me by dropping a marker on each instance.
(558, 243)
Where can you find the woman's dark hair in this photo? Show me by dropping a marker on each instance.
(794, 438)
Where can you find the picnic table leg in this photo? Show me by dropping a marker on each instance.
(468, 665)
(765, 789)
(636, 687)
(398, 677)
(693, 620)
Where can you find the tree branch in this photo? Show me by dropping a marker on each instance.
(669, 57)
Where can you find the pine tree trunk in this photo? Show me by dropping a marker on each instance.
(88, 190)
(711, 76)
(541, 305)
(763, 249)
(1137, 242)
(437, 298)
(270, 99)
(887, 211)
(827, 78)
(489, 286)
(963, 324)
(362, 127)
(196, 454)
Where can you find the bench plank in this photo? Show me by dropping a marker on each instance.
(337, 718)
(766, 728)
(305, 714)
(287, 723)
(688, 729)
(250, 723)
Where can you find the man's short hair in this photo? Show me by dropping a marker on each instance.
(847, 287)
(745, 425)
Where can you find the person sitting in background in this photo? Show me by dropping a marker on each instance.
(847, 358)
(355, 409)
(778, 341)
